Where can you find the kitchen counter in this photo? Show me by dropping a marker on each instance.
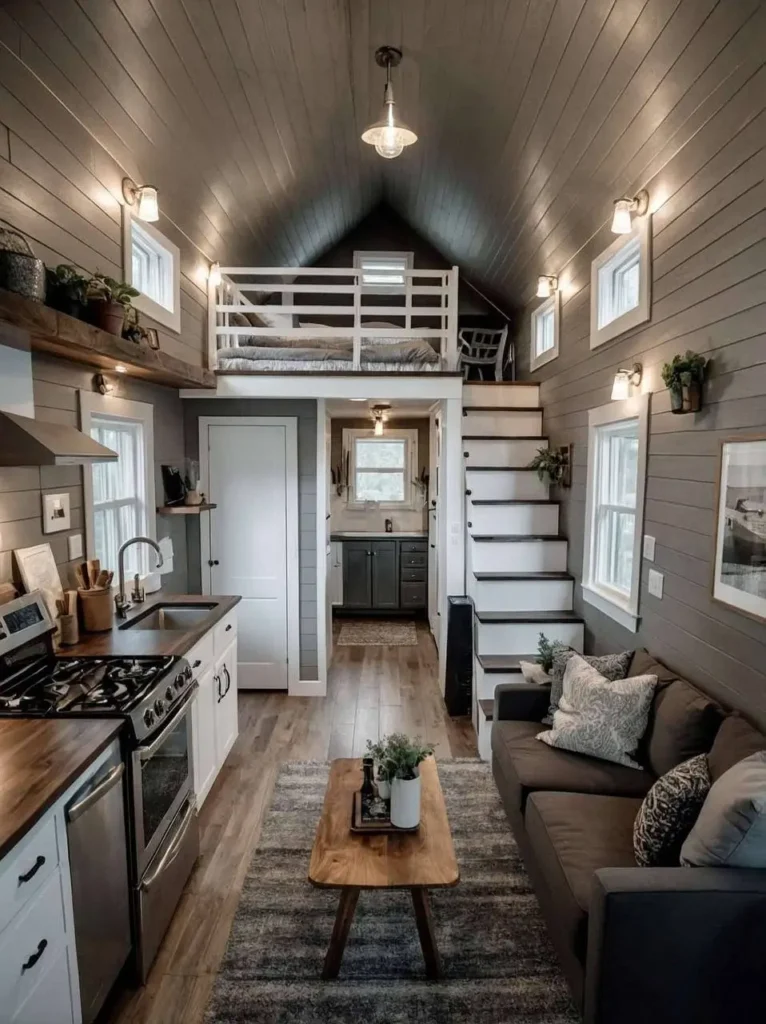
(364, 535)
(39, 759)
(134, 642)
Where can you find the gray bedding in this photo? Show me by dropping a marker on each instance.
(328, 353)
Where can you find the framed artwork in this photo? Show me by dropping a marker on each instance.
(739, 572)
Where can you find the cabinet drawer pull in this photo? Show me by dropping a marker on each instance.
(30, 963)
(227, 628)
(218, 686)
(196, 663)
(228, 682)
(28, 875)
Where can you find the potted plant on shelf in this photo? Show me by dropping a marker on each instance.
(66, 289)
(111, 302)
(403, 757)
(551, 463)
(683, 377)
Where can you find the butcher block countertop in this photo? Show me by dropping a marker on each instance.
(134, 642)
(39, 759)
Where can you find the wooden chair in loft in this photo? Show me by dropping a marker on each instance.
(485, 349)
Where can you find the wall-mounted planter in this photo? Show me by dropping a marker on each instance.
(688, 399)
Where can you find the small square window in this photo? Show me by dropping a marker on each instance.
(620, 285)
(545, 332)
(152, 266)
(383, 272)
(381, 467)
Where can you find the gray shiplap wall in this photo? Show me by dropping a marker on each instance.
(56, 383)
(306, 413)
(709, 277)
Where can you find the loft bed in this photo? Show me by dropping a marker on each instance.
(299, 319)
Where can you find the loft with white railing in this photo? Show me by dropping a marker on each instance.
(331, 319)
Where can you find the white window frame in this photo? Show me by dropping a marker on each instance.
(91, 405)
(642, 230)
(552, 303)
(410, 435)
(607, 600)
(170, 318)
(360, 255)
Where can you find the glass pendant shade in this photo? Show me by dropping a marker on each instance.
(148, 206)
(379, 427)
(389, 135)
(621, 386)
(621, 221)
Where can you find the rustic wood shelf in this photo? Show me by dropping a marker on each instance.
(65, 336)
(185, 510)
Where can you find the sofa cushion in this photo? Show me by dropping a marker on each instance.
(669, 812)
(572, 835)
(735, 740)
(683, 721)
(529, 766)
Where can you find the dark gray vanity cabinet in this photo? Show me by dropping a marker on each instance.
(385, 575)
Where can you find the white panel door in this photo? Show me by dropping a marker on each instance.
(252, 477)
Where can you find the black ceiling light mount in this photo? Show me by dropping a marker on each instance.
(389, 135)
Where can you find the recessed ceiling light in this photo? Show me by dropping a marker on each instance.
(119, 368)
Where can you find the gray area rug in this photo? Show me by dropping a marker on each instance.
(499, 965)
(360, 633)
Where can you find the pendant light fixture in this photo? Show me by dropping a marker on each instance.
(389, 135)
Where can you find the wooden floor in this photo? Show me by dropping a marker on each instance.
(371, 691)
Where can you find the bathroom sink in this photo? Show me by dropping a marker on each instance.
(172, 616)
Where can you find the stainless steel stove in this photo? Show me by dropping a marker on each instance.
(154, 694)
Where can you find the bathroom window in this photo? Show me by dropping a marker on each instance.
(621, 285)
(380, 468)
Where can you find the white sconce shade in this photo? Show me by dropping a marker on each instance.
(379, 415)
(623, 380)
(214, 277)
(120, 368)
(378, 427)
(388, 135)
(144, 198)
(624, 208)
(546, 286)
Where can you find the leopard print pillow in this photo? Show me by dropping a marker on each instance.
(669, 812)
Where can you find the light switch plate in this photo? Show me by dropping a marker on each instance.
(656, 579)
(56, 514)
(648, 547)
(74, 543)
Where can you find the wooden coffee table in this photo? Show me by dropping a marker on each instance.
(417, 861)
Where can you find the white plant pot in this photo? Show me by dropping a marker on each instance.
(384, 788)
(405, 802)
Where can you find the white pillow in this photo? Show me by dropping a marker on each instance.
(601, 718)
(280, 321)
(534, 672)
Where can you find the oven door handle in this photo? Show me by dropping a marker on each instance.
(110, 779)
(144, 753)
(173, 849)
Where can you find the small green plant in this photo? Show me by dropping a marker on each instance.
(551, 463)
(684, 370)
(110, 290)
(398, 756)
(67, 282)
(547, 650)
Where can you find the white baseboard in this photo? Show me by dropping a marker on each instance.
(308, 688)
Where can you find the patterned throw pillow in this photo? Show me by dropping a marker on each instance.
(601, 718)
(668, 813)
(610, 666)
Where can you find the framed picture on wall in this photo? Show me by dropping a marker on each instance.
(739, 573)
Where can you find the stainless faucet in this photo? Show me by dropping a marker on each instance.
(121, 601)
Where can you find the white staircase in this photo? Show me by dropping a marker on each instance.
(516, 560)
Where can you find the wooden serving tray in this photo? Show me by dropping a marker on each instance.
(381, 826)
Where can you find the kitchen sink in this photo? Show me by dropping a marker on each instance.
(172, 616)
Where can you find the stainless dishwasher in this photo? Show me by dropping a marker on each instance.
(98, 862)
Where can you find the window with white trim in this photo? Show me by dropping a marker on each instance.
(119, 496)
(381, 468)
(383, 272)
(544, 335)
(614, 508)
(152, 266)
(621, 285)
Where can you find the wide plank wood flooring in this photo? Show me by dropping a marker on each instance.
(371, 691)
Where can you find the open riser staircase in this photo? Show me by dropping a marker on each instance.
(516, 559)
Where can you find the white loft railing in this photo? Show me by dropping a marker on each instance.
(427, 305)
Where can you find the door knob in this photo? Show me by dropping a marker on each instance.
(212, 562)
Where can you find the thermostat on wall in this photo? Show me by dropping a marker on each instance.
(56, 514)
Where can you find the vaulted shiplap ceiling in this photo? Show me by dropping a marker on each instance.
(532, 114)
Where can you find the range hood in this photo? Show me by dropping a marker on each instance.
(28, 442)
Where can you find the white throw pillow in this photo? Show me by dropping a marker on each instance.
(601, 718)
(534, 672)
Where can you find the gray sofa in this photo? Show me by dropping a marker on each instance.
(637, 945)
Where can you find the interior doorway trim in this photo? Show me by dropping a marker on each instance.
(290, 423)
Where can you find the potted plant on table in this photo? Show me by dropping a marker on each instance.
(66, 289)
(683, 377)
(111, 302)
(402, 758)
(551, 463)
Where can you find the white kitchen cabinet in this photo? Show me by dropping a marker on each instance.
(204, 713)
(227, 717)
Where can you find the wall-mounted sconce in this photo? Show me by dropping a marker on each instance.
(214, 277)
(143, 197)
(119, 368)
(623, 380)
(379, 415)
(546, 286)
(102, 385)
(624, 208)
